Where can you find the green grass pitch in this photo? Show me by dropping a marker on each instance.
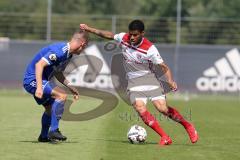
(104, 138)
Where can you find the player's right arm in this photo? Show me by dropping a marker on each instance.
(98, 32)
(39, 66)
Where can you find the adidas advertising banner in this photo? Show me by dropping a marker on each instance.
(199, 68)
(223, 75)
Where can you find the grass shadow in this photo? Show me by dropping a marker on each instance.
(121, 141)
(56, 142)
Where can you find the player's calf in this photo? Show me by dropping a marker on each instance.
(57, 112)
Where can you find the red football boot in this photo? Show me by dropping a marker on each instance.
(192, 133)
(165, 140)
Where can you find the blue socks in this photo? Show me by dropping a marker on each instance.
(53, 120)
(46, 121)
(56, 114)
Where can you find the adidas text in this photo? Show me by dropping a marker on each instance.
(230, 84)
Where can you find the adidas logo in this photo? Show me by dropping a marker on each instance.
(223, 76)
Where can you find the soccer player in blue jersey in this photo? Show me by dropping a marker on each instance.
(46, 93)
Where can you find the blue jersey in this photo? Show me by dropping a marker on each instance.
(54, 54)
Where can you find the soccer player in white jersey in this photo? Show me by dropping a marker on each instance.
(139, 53)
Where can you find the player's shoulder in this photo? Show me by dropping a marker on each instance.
(119, 36)
(58, 48)
(146, 44)
(125, 36)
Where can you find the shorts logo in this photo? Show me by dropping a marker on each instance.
(224, 76)
(33, 84)
(52, 57)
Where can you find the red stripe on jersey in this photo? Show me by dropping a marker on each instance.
(129, 46)
(144, 46)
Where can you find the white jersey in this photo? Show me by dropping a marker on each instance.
(138, 59)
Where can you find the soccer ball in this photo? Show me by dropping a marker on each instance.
(136, 134)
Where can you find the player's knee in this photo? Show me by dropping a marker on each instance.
(164, 110)
(62, 97)
(161, 106)
(140, 107)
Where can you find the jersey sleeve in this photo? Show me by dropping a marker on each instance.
(118, 37)
(154, 55)
(51, 57)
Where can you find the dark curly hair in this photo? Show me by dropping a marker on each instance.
(136, 25)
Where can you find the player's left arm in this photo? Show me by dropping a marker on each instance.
(62, 79)
(168, 74)
(157, 59)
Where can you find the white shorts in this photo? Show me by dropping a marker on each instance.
(144, 88)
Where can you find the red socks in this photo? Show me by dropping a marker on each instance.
(150, 120)
(176, 116)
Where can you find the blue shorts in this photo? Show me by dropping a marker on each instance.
(47, 90)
